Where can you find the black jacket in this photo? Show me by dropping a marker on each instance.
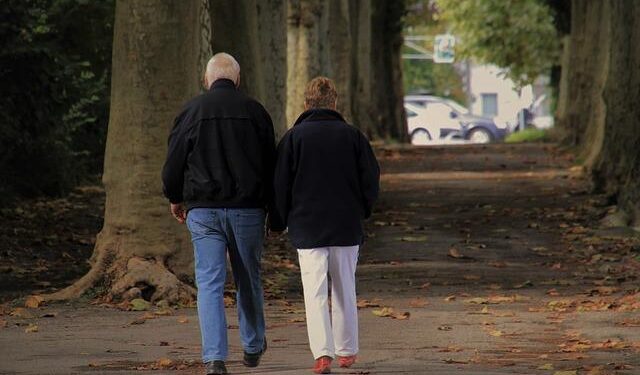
(326, 181)
(221, 152)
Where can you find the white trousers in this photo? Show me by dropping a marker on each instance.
(336, 332)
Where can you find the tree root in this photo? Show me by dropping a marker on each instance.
(120, 274)
(153, 273)
(103, 261)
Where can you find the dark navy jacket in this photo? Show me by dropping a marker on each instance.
(326, 181)
(221, 152)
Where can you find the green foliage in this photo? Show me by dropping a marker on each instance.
(424, 75)
(528, 135)
(518, 35)
(436, 79)
(54, 67)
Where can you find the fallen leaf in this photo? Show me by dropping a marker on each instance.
(484, 311)
(32, 328)
(143, 318)
(229, 301)
(450, 298)
(455, 253)
(525, 284)
(546, 366)
(413, 238)
(496, 333)
(451, 349)
(403, 316)
(164, 312)
(183, 319)
(477, 300)
(569, 372)
(498, 299)
(33, 302)
(445, 328)
(164, 363)
(384, 312)
(389, 312)
(139, 304)
(418, 302)
(363, 304)
(454, 361)
(21, 312)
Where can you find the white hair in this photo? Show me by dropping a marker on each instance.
(222, 65)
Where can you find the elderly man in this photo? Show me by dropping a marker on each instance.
(218, 178)
(326, 182)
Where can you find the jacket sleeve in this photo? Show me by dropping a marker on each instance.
(283, 181)
(174, 166)
(369, 173)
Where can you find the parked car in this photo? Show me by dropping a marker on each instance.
(423, 129)
(431, 117)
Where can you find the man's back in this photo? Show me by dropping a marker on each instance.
(221, 151)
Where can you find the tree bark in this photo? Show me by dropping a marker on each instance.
(362, 80)
(254, 32)
(303, 51)
(616, 164)
(336, 53)
(589, 49)
(357, 44)
(159, 51)
(389, 115)
(602, 115)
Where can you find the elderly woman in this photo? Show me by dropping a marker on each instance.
(326, 182)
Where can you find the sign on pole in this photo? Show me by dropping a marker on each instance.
(443, 48)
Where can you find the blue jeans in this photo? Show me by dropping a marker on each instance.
(241, 233)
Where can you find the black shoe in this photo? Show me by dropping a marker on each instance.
(215, 368)
(253, 359)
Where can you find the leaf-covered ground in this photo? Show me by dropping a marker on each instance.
(479, 260)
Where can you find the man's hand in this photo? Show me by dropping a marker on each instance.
(178, 211)
(270, 233)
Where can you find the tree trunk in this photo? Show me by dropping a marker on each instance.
(336, 51)
(357, 44)
(255, 33)
(159, 51)
(389, 116)
(362, 100)
(616, 164)
(589, 49)
(602, 115)
(303, 51)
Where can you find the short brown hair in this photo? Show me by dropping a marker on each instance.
(320, 93)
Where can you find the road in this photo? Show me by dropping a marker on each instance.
(490, 257)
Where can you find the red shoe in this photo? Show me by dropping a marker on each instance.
(346, 362)
(322, 365)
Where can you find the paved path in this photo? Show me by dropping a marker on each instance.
(493, 251)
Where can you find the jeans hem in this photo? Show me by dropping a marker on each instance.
(214, 358)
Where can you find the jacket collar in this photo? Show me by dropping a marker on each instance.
(223, 83)
(319, 114)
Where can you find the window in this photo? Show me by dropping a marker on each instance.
(417, 103)
(489, 105)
